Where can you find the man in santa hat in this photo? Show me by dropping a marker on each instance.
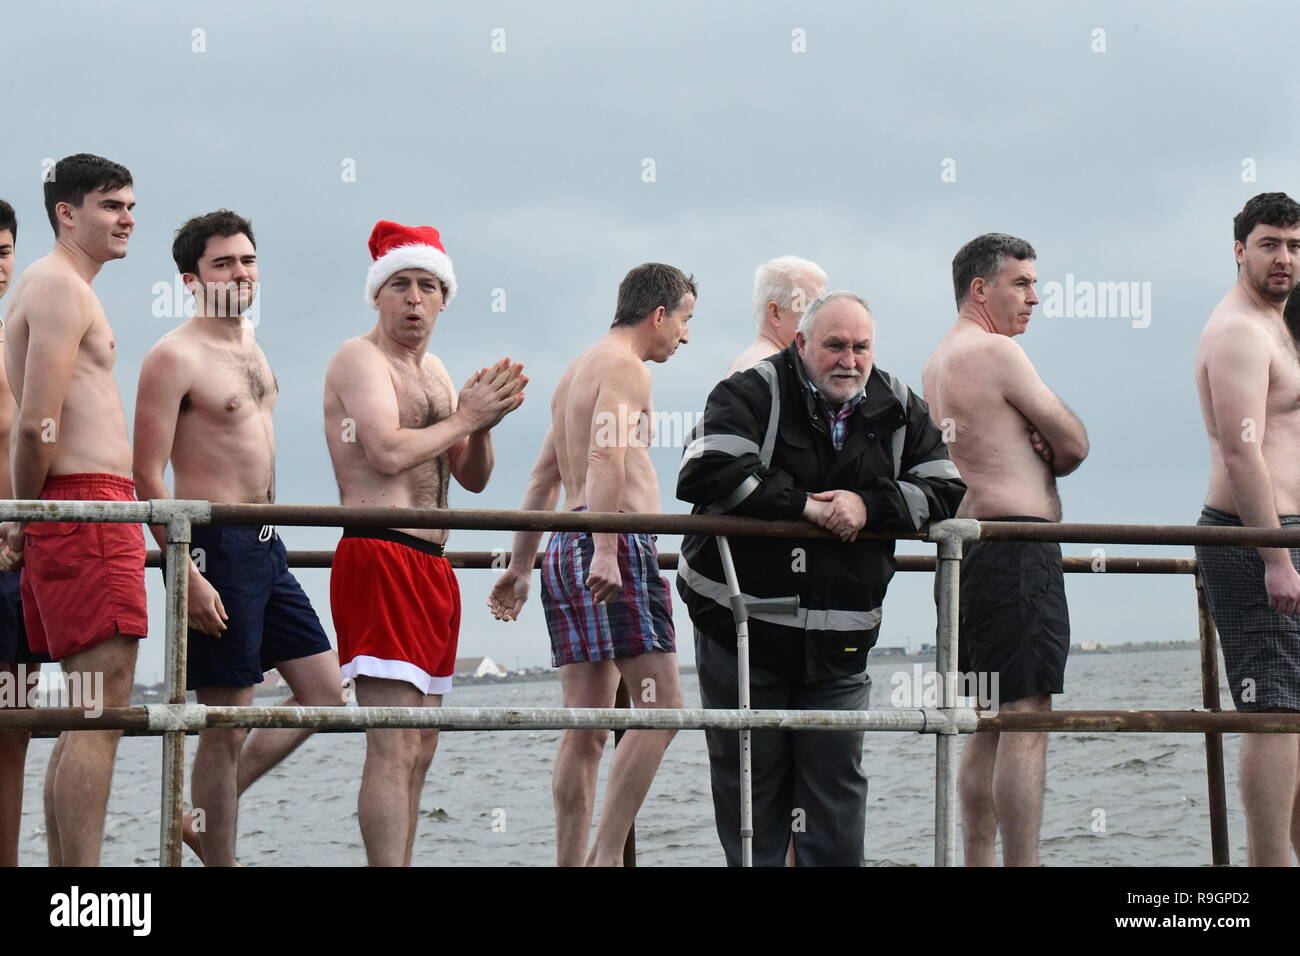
(397, 432)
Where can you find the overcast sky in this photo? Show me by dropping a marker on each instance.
(1119, 141)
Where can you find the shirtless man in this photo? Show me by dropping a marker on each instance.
(397, 431)
(83, 585)
(783, 288)
(1248, 380)
(1010, 437)
(13, 636)
(608, 609)
(205, 400)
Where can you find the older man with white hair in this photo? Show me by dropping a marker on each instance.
(817, 432)
(783, 288)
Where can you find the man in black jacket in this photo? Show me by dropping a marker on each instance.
(815, 432)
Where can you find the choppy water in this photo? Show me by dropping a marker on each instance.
(1150, 787)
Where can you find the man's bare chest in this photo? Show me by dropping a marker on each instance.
(98, 351)
(231, 385)
(422, 400)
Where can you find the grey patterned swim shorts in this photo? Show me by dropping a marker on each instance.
(1261, 647)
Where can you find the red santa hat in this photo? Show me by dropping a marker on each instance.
(396, 247)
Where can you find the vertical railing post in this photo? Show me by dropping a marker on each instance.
(740, 612)
(949, 535)
(1214, 778)
(173, 769)
(623, 700)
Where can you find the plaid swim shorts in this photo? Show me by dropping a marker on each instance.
(639, 619)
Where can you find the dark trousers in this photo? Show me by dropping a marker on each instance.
(809, 782)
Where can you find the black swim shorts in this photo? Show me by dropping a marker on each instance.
(1014, 621)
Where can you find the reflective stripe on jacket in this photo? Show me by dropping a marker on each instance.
(760, 450)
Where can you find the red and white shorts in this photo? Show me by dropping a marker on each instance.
(396, 608)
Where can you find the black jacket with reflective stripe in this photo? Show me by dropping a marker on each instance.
(749, 457)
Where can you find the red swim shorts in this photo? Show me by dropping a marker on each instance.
(396, 608)
(83, 581)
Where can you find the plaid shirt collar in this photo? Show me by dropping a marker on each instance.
(835, 416)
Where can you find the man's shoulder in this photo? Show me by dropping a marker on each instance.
(357, 349)
(1237, 338)
(613, 366)
(48, 283)
(755, 353)
(1231, 324)
(176, 349)
(355, 359)
(987, 346)
(762, 369)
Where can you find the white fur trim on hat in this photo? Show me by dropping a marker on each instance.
(409, 257)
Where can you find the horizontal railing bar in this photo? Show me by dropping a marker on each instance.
(483, 520)
(483, 560)
(1144, 721)
(159, 718)
(107, 511)
(1064, 533)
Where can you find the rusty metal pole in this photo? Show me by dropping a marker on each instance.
(173, 768)
(623, 701)
(950, 536)
(1219, 854)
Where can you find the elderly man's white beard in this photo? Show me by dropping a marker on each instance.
(839, 387)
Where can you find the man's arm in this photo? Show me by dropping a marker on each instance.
(166, 376)
(9, 559)
(721, 465)
(7, 407)
(165, 379)
(511, 590)
(624, 395)
(1047, 414)
(359, 376)
(1237, 371)
(57, 320)
(928, 488)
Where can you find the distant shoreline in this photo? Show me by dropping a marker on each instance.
(892, 653)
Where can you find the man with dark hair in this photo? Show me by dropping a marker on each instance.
(608, 609)
(205, 400)
(9, 224)
(397, 434)
(1011, 437)
(819, 432)
(1248, 378)
(75, 177)
(83, 584)
(18, 663)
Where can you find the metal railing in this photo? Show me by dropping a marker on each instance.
(175, 718)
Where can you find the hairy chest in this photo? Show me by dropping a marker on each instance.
(232, 385)
(422, 398)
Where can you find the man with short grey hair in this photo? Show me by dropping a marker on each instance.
(1011, 436)
(783, 287)
(814, 432)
